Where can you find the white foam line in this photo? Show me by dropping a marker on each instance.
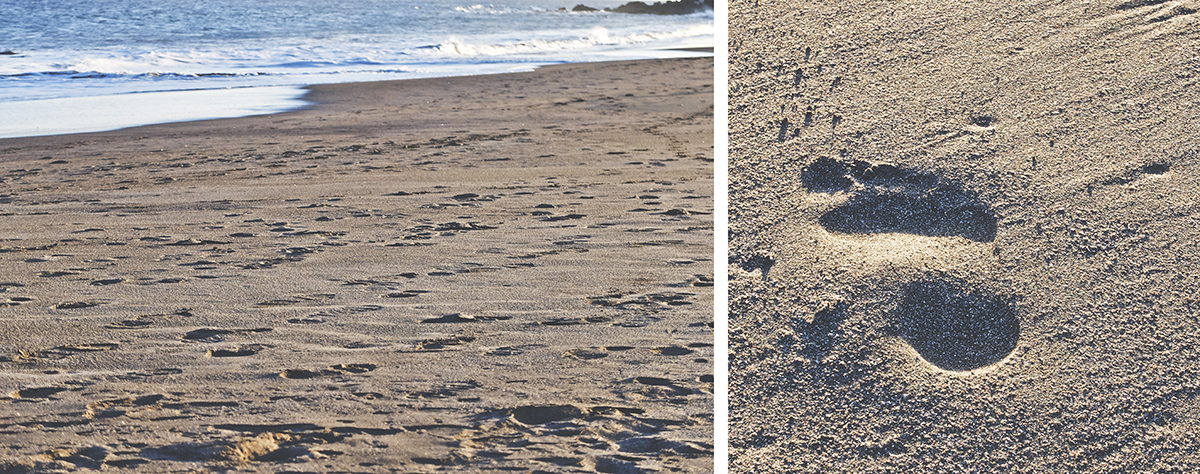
(33, 118)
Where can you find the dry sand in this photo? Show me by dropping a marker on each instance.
(964, 236)
(507, 272)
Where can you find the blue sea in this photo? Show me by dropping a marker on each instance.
(70, 66)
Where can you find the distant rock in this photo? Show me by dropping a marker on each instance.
(9, 52)
(680, 7)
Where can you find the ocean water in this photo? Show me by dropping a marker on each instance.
(95, 61)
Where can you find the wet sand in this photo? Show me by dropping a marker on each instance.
(963, 236)
(508, 272)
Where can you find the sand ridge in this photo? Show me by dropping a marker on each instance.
(480, 273)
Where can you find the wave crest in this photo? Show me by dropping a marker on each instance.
(596, 36)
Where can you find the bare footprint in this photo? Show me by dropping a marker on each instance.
(440, 343)
(889, 199)
(584, 354)
(955, 326)
(238, 352)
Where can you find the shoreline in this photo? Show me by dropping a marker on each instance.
(410, 274)
(185, 105)
(149, 108)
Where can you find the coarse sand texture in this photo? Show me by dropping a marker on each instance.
(472, 274)
(963, 236)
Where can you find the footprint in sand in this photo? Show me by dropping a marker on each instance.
(543, 414)
(571, 321)
(146, 320)
(507, 351)
(77, 305)
(584, 354)
(14, 300)
(888, 199)
(38, 392)
(243, 351)
(299, 374)
(64, 351)
(951, 324)
(405, 294)
(672, 351)
(955, 326)
(465, 318)
(440, 343)
(57, 274)
(340, 369)
(91, 457)
(217, 335)
(352, 368)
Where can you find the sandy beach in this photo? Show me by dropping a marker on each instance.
(964, 236)
(508, 272)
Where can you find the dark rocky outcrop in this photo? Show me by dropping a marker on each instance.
(680, 7)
